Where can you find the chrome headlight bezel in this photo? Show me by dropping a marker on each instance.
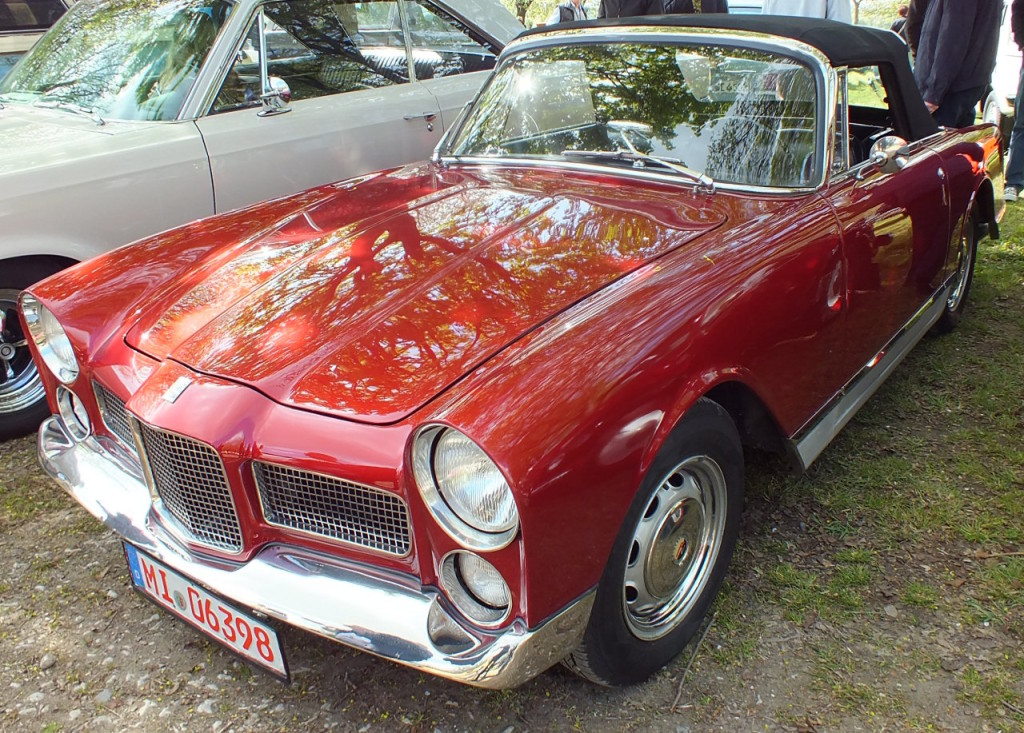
(74, 413)
(456, 517)
(51, 339)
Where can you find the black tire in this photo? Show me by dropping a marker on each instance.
(22, 399)
(626, 640)
(967, 255)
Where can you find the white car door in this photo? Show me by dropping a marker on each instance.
(352, 106)
(451, 59)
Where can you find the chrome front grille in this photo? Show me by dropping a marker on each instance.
(189, 478)
(332, 508)
(114, 415)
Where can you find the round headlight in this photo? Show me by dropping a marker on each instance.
(51, 340)
(464, 489)
(73, 413)
(475, 587)
(483, 580)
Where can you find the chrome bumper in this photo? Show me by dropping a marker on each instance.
(404, 622)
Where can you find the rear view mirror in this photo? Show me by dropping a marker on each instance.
(889, 154)
(275, 99)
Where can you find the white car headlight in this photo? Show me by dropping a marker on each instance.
(51, 340)
(463, 488)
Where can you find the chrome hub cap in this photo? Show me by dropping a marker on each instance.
(674, 548)
(963, 268)
(20, 385)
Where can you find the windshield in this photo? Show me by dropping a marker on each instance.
(737, 115)
(122, 59)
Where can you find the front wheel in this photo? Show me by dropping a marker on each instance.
(671, 554)
(966, 256)
(22, 397)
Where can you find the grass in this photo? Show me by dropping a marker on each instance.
(917, 509)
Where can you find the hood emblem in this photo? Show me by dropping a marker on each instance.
(174, 391)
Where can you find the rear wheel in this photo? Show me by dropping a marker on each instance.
(22, 397)
(671, 554)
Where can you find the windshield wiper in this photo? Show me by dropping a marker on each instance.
(70, 107)
(641, 160)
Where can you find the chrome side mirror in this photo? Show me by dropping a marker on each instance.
(275, 99)
(889, 154)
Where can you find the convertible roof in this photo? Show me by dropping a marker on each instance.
(843, 44)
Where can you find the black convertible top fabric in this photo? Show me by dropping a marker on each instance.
(843, 44)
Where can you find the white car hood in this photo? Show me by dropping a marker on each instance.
(34, 138)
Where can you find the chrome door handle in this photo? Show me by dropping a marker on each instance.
(428, 116)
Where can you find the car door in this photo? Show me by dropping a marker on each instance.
(895, 223)
(349, 105)
(451, 59)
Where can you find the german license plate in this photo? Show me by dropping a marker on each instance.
(221, 621)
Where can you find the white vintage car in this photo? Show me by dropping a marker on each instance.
(133, 116)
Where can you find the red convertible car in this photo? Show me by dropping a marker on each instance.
(489, 412)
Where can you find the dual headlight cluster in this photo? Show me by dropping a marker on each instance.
(473, 503)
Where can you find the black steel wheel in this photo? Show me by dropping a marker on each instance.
(671, 553)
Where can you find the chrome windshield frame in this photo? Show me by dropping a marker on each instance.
(807, 55)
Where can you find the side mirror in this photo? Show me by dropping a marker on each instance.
(889, 154)
(275, 99)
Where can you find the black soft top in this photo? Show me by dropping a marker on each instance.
(843, 44)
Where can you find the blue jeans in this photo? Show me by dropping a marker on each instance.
(958, 108)
(1015, 163)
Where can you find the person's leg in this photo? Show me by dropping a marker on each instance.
(958, 108)
(1015, 161)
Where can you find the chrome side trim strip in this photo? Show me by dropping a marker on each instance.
(811, 441)
(390, 615)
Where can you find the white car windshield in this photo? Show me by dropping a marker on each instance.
(121, 59)
(735, 115)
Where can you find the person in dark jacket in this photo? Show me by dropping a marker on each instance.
(629, 8)
(901, 20)
(1015, 164)
(567, 12)
(702, 6)
(955, 57)
(915, 18)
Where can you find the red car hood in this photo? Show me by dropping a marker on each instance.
(370, 319)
